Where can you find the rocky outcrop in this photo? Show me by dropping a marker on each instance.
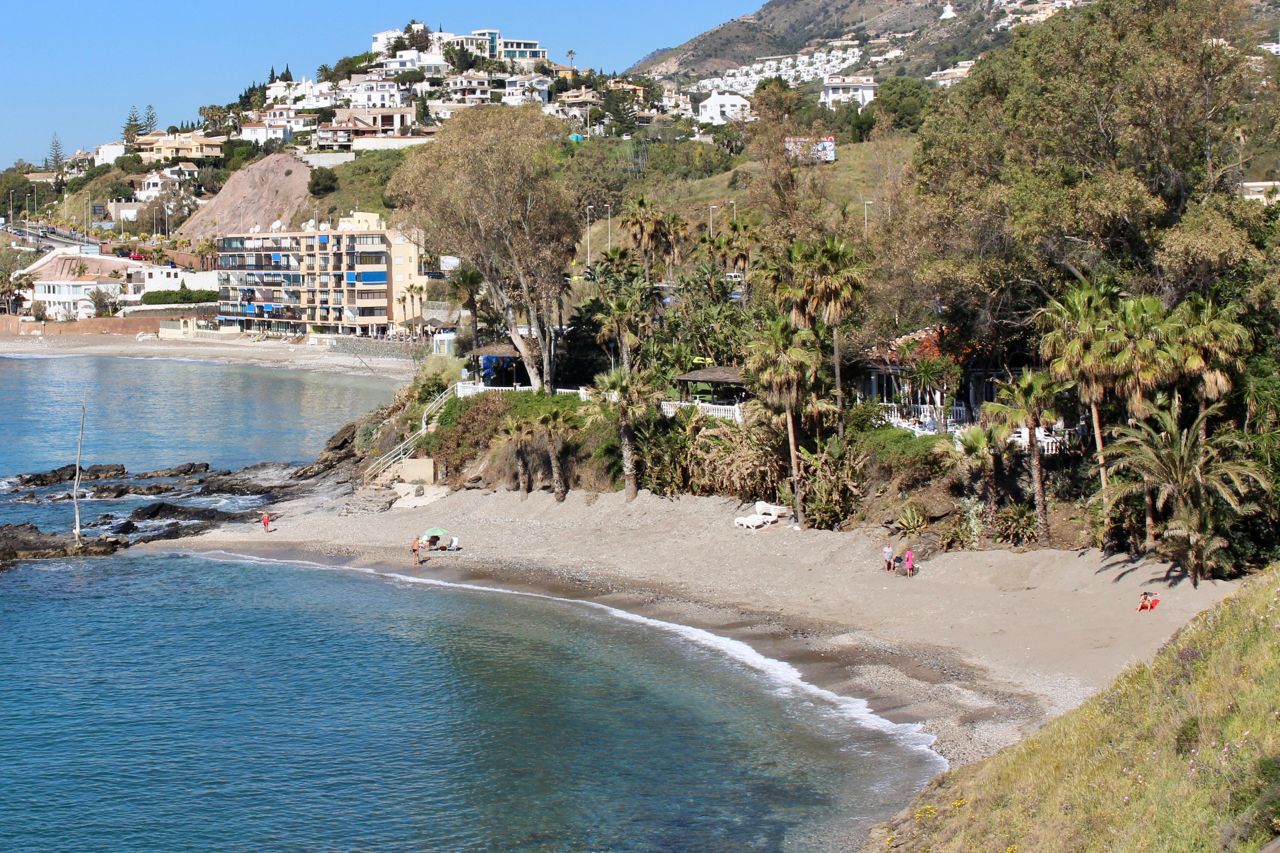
(28, 542)
(270, 190)
(178, 512)
(339, 451)
(67, 473)
(185, 470)
(120, 490)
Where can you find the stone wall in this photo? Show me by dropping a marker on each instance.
(96, 326)
(369, 348)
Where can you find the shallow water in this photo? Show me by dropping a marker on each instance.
(167, 702)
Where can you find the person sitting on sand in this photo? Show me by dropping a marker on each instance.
(1148, 601)
(888, 556)
(433, 543)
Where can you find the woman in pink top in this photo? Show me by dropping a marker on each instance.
(909, 562)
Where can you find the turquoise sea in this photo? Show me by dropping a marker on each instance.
(215, 702)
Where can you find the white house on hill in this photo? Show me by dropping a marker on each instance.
(724, 107)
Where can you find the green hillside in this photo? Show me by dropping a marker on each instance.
(1179, 755)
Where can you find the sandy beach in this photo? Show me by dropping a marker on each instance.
(274, 354)
(980, 648)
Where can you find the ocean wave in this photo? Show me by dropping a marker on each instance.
(8, 484)
(40, 356)
(785, 679)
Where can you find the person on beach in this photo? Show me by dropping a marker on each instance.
(266, 523)
(1148, 601)
(909, 563)
(417, 557)
(888, 557)
(433, 543)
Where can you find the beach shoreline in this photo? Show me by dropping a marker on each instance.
(267, 354)
(979, 650)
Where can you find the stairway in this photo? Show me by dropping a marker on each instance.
(370, 501)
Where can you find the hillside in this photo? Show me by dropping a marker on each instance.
(1182, 754)
(274, 188)
(785, 26)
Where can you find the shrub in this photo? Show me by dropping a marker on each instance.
(1016, 523)
(39, 311)
(965, 527)
(179, 297)
(912, 521)
(902, 452)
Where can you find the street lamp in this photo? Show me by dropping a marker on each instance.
(590, 208)
(711, 225)
(865, 205)
(734, 202)
(608, 210)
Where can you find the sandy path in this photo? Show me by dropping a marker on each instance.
(982, 647)
(258, 354)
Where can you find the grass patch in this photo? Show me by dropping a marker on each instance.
(1179, 755)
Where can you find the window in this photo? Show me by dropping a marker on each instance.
(371, 294)
(399, 261)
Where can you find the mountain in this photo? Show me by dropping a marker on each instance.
(785, 26)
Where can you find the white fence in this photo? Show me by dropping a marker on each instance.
(906, 411)
(728, 413)
(669, 408)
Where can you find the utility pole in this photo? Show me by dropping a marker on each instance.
(711, 223)
(734, 202)
(590, 208)
(865, 205)
(608, 209)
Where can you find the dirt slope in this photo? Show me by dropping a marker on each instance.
(273, 188)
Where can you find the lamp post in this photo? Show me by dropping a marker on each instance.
(608, 210)
(734, 202)
(590, 208)
(711, 223)
(865, 205)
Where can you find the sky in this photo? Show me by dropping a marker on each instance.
(76, 68)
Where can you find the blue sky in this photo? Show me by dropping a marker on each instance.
(75, 68)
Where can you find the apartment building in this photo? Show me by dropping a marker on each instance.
(343, 280)
(160, 147)
(839, 90)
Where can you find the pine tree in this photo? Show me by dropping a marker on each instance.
(132, 126)
(55, 153)
(287, 76)
(149, 121)
(272, 79)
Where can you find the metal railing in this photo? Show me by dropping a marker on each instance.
(402, 450)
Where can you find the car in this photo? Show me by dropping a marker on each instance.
(134, 256)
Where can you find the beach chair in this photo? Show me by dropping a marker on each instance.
(772, 511)
(453, 545)
(751, 522)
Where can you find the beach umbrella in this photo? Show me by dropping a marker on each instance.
(435, 531)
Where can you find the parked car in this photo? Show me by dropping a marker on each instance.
(134, 256)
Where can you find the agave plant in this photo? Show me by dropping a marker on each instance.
(912, 521)
(1016, 523)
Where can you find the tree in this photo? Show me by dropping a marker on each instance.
(149, 120)
(323, 181)
(903, 100)
(781, 363)
(207, 252)
(978, 449)
(487, 189)
(640, 218)
(1193, 478)
(132, 127)
(519, 433)
(622, 399)
(56, 157)
(1028, 403)
(838, 280)
(465, 288)
(1209, 347)
(936, 375)
(557, 426)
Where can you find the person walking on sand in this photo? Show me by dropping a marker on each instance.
(417, 557)
(888, 557)
(266, 523)
(909, 563)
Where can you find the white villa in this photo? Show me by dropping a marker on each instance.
(64, 279)
(724, 107)
(839, 90)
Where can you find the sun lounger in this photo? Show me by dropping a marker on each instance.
(772, 511)
(453, 545)
(752, 522)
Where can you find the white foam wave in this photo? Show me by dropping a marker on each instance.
(40, 356)
(8, 484)
(784, 678)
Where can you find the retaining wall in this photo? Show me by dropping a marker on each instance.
(96, 326)
(367, 348)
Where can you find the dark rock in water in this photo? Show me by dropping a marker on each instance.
(119, 490)
(28, 542)
(171, 531)
(125, 526)
(179, 471)
(338, 450)
(164, 510)
(67, 473)
(28, 498)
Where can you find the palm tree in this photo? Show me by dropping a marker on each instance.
(838, 279)
(782, 362)
(671, 230)
(622, 399)
(978, 449)
(1142, 355)
(520, 433)
(11, 290)
(557, 427)
(207, 251)
(1191, 474)
(935, 375)
(640, 219)
(1073, 327)
(465, 288)
(1028, 403)
(402, 299)
(415, 292)
(616, 316)
(1209, 348)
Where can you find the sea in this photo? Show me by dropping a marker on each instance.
(183, 701)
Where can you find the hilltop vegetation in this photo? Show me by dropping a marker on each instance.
(1177, 756)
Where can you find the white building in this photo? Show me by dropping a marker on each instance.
(522, 88)
(430, 64)
(471, 87)
(261, 133)
(64, 279)
(724, 107)
(950, 76)
(108, 153)
(839, 90)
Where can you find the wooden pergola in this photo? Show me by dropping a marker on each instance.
(716, 377)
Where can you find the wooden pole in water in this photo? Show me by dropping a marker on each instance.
(75, 489)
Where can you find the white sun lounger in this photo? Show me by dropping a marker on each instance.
(772, 511)
(753, 522)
